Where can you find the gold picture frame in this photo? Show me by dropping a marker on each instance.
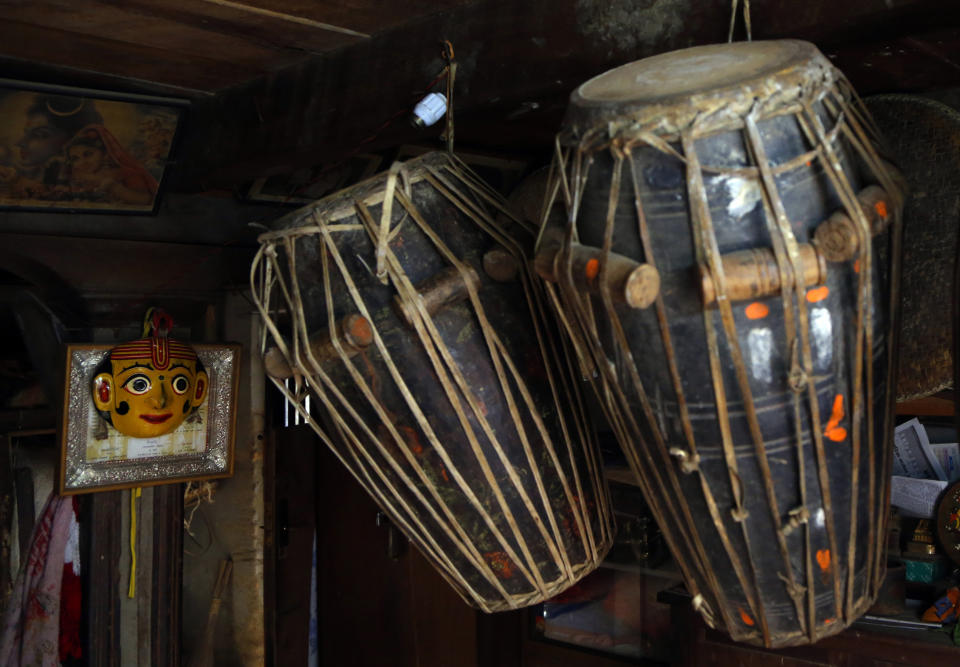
(74, 149)
(96, 457)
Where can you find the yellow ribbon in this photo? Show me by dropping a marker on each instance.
(134, 494)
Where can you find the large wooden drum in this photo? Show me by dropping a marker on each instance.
(726, 266)
(412, 319)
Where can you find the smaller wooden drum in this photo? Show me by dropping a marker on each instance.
(413, 319)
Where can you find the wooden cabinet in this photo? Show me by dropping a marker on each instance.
(854, 647)
(695, 645)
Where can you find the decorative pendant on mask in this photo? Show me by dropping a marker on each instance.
(148, 387)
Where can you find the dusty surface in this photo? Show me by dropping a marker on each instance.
(626, 26)
(925, 139)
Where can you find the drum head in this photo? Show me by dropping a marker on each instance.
(924, 137)
(711, 87)
(693, 71)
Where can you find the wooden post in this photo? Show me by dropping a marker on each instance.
(627, 280)
(751, 274)
(102, 592)
(167, 574)
(438, 292)
(754, 273)
(353, 331)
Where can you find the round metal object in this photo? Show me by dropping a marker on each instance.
(948, 522)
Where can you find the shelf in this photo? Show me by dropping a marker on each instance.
(938, 405)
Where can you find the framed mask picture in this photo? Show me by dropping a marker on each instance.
(144, 413)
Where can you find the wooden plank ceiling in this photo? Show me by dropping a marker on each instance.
(519, 62)
(279, 84)
(194, 45)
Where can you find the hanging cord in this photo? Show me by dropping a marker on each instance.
(132, 589)
(746, 19)
(157, 323)
(386, 214)
(194, 495)
(451, 71)
(448, 73)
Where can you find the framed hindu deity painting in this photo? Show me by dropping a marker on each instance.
(71, 149)
(312, 183)
(147, 412)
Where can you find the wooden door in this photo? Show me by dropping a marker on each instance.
(379, 601)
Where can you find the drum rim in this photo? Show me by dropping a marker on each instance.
(341, 204)
(774, 90)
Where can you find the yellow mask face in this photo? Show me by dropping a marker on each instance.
(148, 387)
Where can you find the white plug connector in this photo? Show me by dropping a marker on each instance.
(429, 110)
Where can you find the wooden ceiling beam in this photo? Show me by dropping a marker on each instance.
(282, 16)
(254, 28)
(120, 26)
(21, 69)
(360, 17)
(110, 267)
(31, 42)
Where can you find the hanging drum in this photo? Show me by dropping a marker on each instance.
(412, 318)
(728, 275)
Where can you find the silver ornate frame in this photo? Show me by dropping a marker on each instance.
(77, 475)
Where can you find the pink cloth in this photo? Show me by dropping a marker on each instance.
(31, 625)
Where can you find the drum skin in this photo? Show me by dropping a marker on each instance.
(759, 428)
(465, 426)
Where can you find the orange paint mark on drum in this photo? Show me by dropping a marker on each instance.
(818, 294)
(592, 268)
(881, 208)
(823, 559)
(746, 618)
(412, 438)
(500, 563)
(361, 331)
(757, 311)
(838, 434)
(834, 431)
(856, 266)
